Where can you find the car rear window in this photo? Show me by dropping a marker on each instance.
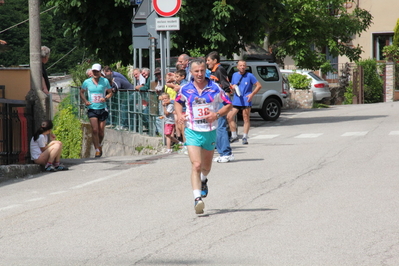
(268, 73)
(313, 75)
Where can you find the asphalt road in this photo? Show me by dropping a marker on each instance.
(317, 187)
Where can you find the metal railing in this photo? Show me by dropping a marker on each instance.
(15, 132)
(134, 111)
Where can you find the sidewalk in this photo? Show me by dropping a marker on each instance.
(116, 143)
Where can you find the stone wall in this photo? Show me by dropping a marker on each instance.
(120, 143)
(300, 99)
(389, 81)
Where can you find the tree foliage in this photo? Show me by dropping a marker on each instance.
(396, 34)
(103, 27)
(311, 27)
(65, 52)
(302, 29)
(224, 26)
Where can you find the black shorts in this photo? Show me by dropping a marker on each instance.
(240, 108)
(100, 114)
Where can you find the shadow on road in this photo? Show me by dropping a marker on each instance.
(222, 211)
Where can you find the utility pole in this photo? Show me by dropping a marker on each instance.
(36, 96)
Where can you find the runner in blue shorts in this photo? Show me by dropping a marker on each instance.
(202, 98)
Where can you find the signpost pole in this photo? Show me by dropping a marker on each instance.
(153, 46)
(162, 47)
(140, 58)
(168, 50)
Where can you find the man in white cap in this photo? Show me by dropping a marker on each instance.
(98, 91)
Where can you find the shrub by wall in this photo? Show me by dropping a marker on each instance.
(68, 130)
(373, 83)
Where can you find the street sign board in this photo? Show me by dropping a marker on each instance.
(165, 24)
(151, 25)
(166, 8)
(142, 12)
(140, 36)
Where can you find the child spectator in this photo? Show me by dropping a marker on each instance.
(180, 77)
(169, 87)
(46, 154)
(180, 80)
(168, 109)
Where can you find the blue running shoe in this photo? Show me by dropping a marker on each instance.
(61, 167)
(50, 168)
(199, 205)
(204, 188)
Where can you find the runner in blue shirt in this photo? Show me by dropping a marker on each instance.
(244, 82)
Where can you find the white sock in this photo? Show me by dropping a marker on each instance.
(234, 134)
(203, 177)
(197, 193)
(244, 136)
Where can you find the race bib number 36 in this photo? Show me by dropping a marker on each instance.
(95, 97)
(200, 111)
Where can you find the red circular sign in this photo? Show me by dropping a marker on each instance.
(166, 8)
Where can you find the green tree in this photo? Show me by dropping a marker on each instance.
(103, 27)
(302, 29)
(373, 83)
(310, 27)
(396, 34)
(65, 52)
(12, 13)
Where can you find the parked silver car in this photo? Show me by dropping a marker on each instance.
(320, 87)
(271, 97)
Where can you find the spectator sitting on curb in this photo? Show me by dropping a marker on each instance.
(44, 153)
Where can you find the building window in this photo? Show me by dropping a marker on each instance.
(380, 40)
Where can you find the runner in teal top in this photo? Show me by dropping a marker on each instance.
(98, 92)
(95, 92)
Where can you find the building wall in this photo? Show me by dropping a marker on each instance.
(16, 81)
(385, 14)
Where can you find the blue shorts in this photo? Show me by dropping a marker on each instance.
(205, 140)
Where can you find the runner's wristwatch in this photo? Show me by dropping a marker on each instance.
(217, 115)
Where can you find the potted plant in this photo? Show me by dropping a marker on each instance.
(300, 84)
(299, 81)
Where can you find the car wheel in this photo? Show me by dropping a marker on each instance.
(271, 110)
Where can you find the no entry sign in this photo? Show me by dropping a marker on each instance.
(166, 8)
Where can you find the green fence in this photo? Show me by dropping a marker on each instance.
(134, 111)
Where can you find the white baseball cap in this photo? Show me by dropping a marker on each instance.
(96, 67)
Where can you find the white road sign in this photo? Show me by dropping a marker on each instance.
(166, 24)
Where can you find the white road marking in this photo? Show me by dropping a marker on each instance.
(9, 207)
(58, 192)
(308, 136)
(394, 133)
(265, 137)
(354, 134)
(35, 199)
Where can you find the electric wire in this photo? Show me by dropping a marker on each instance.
(26, 20)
